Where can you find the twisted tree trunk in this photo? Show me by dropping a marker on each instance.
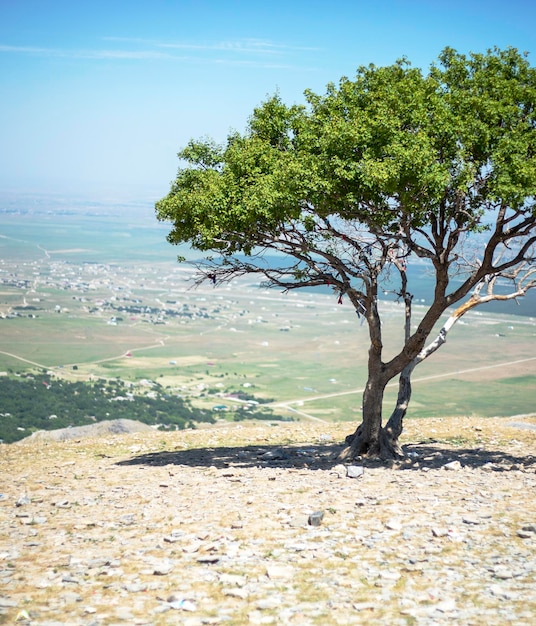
(395, 425)
(373, 439)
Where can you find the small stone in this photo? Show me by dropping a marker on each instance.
(390, 575)
(123, 613)
(135, 587)
(23, 501)
(90, 610)
(339, 470)
(273, 455)
(315, 519)
(62, 504)
(174, 598)
(162, 569)
(278, 571)
(471, 521)
(393, 524)
(233, 579)
(192, 547)
(445, 606)
(453, 466)
(71, 598)
(497, 591)
(355, 471)
(235, 592)
(70, 579)
(208, 558)
(440, 532)
(363, 606)
(267, 604)
(183, 605)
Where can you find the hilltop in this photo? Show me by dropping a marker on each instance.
(215, 526)
(101, 429)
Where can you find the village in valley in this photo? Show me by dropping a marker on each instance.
(81, 303)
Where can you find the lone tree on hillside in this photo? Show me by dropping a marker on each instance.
(393, 166)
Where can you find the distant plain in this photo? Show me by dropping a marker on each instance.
(72, 270)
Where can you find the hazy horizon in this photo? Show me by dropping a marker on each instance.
(111, 229)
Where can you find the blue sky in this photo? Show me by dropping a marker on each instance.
(100, 95)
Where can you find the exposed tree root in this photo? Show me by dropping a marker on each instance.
(385, 447)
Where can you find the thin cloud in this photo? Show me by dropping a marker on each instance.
(248, 45)
(24, 49)
(221, 53)
(86, 54)
(127, 54)
(256, 46)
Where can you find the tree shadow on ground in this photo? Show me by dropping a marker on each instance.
(434, 455)
(313, 456)
(420, 455)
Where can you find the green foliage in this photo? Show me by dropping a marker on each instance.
(243, 395)
(493, 98)
(392, 164)
(393, 146)
(40, 402)
(263, 414)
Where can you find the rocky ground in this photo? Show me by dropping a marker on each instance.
(257, 524)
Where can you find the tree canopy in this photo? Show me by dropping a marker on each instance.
(393, 165)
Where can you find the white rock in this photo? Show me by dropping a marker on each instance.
(393, 524)
(163, 569)
(235, 592)
(279, 571)
(453, 466)
(355, 471)
(183, 605)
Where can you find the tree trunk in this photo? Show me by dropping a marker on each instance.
(395, 424)
(370, 439)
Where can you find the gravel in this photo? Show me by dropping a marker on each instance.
(171, 535)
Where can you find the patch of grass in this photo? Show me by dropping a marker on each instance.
(322, 349)
(459, 397)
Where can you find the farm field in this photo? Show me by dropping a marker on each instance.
(99, 295)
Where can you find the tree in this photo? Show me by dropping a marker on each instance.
(394, 167)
